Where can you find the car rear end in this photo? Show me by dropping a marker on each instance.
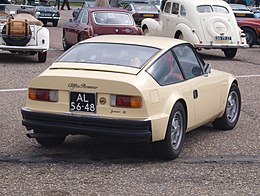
(144, 10)
(217, 27)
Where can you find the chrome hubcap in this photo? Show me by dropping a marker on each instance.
(176, 130)
(232, 107)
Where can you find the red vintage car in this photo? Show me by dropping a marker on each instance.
(251, 28)
(94, 21)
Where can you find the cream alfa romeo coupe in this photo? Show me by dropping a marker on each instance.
(145, 89)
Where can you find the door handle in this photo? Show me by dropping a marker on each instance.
(195, 94)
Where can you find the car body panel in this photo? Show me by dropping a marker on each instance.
(197, 26)
(157, 99)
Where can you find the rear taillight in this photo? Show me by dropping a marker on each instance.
(43, 95)
(126, 101)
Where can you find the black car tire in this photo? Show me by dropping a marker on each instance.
(250, 36)
(42, 56)
(55, 23)
(49, 141)
(230, 52)
(171, 146)
(232, 111)
(15, 40)
(65, 44)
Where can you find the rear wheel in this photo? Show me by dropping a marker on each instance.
(49, 141)
(180, 36)
(250, 36)
(146, 31)
(171, 146)
(232, 111)
(230, 52)
(65, 43)
(42, 56)
(55, 23)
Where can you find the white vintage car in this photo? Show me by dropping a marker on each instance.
(205, 24)
(22, 33)
(135, 88)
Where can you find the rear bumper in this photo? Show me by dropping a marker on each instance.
(132, 130)
(24, 48)
(220, 46)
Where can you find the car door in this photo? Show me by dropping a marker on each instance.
(165, 20)
(75, 26)
(204, 89)
(172, 19)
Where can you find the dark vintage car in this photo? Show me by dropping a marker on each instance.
(47, 13)
(251, 28)
(94, 21)
(43, 11)
(241, 11)
(141, 10)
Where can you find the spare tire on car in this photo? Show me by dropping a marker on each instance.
(16, 32)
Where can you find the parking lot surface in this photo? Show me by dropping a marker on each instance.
(212, 162)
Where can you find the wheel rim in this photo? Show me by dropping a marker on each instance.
(232, 107)
(180, 36)
(248, 37)
(146, 32)
(176, 130)
(64, 42)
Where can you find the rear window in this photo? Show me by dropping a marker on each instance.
(142, 7)
(210, 9)
(110, 54)
(112, 18)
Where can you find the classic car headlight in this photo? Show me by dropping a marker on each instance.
(43, 94)
(126, 101)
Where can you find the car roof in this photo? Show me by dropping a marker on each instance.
(150, 41)
(201, 2)
(92, 9)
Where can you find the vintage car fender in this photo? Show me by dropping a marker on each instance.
(189, 34)
(43, 38)
(151, 24)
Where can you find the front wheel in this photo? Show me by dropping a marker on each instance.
(55, 23)
(42, 56)
(232, 111)
(171, 146)
(65, 43)
(230, 52)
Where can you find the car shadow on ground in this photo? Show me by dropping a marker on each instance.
(86, 150)
(15, 58)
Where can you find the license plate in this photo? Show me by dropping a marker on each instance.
(46, 14)
(221, 37)
(82, 102)
(148, 15)
(240, 14)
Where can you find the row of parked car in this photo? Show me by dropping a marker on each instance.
(206, 26)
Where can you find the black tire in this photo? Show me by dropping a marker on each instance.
(15, 40)
(250, 36)
(230, 52)
(171, 146)
(42, 56)
(50, 141)
(44, 22)
(80, 37)
(180, 36)
(55, 23)
(232, 111)
(146, 31)
(65, 44)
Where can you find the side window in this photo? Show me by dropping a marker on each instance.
(85, 17)
(175, 8)
(189, 61)
(79, 16)
(166, 70)
(182, 11)
(167, 7)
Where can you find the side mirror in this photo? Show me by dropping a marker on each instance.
(207, 68)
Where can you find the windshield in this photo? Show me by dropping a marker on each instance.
(110, 54)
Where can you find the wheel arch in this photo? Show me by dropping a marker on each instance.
(151, 24)
(189, 34)
(160, 128)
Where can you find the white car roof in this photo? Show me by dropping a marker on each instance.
(150, 41)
